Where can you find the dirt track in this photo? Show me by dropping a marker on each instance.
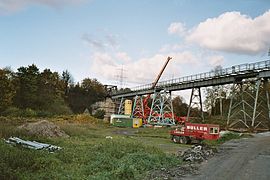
(246, 159)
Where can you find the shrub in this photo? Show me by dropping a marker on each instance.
(223, 139)
(28, 113)
(58, 107)
(12, 111)
(99, 114)
(44, 114)
(16, 112)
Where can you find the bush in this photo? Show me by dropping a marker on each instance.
(228, 136)
(44, 114)
(223, 139)
(55, 109)
(12, 111)
(99, 114)
(79, 118)
(16, 112)
(85, 118)
(58, 107)
(28, 113)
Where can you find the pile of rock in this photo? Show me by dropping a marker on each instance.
(192, 156)
(197, 153)
(175, 173)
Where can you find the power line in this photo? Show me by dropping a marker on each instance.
(120, 77)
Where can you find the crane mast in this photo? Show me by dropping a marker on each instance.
(145, 101)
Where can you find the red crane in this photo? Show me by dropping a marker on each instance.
(145, 101)
(161, 72)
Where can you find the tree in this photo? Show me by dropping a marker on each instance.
(27, 87)
(7, 88)
(95, 91)
(82, 96)
(51, 93)
(216, 99)
(180, 108)
(76, 98)
(124, 90)
(46, 92)
(67, 81)
(215, 95)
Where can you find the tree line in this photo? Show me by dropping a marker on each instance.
(31, 92)
(28, 91)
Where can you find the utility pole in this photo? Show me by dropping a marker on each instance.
(121, 77)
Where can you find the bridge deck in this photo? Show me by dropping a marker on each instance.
(212, 78)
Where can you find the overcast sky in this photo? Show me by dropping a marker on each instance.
(97, 38)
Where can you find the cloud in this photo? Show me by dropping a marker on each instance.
(112, 40)
(7, 6)
(123, 56)
(215, 61)
(109, 41)
(95, 43)
(177, 28)
(103, 64)
(104, 58)
(233, 32)
(143, 70)
(171, 47)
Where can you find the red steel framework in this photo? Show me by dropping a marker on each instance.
(141, 107)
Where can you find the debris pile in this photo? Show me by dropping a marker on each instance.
(43, 128)
(197, 153)
(32, 144)
(192, 156)
(174, 173)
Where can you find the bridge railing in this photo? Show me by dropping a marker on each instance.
(234, 70)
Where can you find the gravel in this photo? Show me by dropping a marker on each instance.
(189, 161)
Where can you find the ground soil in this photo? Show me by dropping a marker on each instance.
(43, 128)
(246, 159)
(127, 132)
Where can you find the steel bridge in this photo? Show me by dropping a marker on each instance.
(245, 78)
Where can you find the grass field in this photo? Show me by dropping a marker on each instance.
(87, 153)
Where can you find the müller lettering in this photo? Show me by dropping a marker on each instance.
(199, 128)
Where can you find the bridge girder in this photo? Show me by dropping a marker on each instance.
(252, 76)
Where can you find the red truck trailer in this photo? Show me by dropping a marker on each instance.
(191, 131)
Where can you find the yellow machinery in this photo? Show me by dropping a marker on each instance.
(137, 122)
(128, 107)
(126, 120)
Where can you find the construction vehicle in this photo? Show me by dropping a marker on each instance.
(192, 131)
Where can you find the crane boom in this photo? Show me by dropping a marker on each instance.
(160, 73)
